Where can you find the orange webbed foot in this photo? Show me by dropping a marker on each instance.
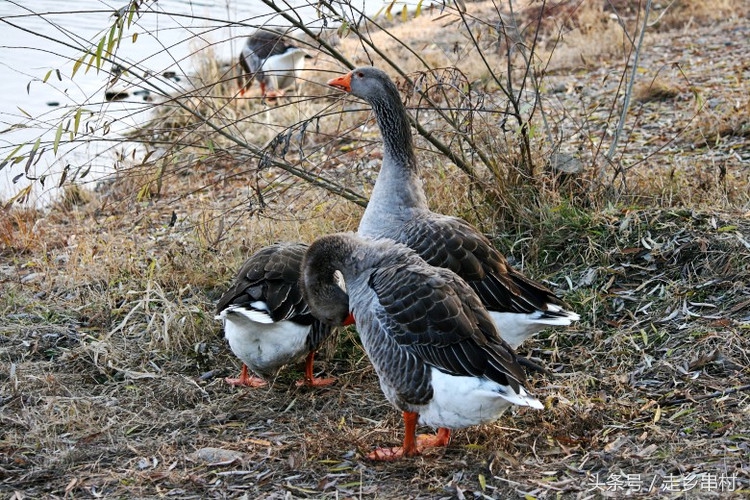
(246, 380)
(316, 382)
(442, 438)
(309, 378)
(387, 454)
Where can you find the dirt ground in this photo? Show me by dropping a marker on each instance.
(647, 396)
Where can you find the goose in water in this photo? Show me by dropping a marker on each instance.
(519, 306)
(269, 57)
(434, 347)
(267, 321)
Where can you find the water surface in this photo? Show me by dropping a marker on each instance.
(40, 42)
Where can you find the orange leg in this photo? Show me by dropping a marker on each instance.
(244, 86)
(270, 95)
(409, 449)
(309, 379)
(246, 379)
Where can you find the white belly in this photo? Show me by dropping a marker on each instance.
(265, 347)
(282, 70)
(460, 402)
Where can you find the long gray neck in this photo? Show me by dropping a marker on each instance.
(398, 186)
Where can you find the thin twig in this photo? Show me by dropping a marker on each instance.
(629, 89)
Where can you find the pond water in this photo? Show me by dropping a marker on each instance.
(40, 42)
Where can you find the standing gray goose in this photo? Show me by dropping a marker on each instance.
(519, 306)
(267, 321)
(435, 349)
(269, 57)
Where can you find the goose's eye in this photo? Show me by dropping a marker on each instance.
(361, 75)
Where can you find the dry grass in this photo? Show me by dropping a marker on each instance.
(657, 90)
(112, 366)
(108, 404)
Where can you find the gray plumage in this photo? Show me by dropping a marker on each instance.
(414, 318)
(271, 58)
(398, 210)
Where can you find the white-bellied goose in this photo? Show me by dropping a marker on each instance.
(398, 210)
(271, 58)
(267, 321)
(434, 347)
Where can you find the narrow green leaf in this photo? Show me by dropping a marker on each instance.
(343, 30)
(77, 64)
(56, 143)
(143, 193)
(135, 37)
(404, 14)
(388, 9)
(24, 112)
(419, 8)
(90, 63)
(99, 50)
(13, 153)
(131, 14)
(111, 40)
(46, 77)
(77, 120)
(482, 482)
(350, 484)
(59, 75)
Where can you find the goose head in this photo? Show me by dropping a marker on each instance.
(323, 285)
(368, 83)
(379, 91)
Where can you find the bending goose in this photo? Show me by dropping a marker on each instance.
(266, 320)
(519, 306)
(434, 347)
(273, 60)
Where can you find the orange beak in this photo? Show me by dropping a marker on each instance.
(349, 320)
(342, 82)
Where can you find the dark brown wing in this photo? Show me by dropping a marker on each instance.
(434, 315)
(265, 43)
(271, 276)
(453, 243)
